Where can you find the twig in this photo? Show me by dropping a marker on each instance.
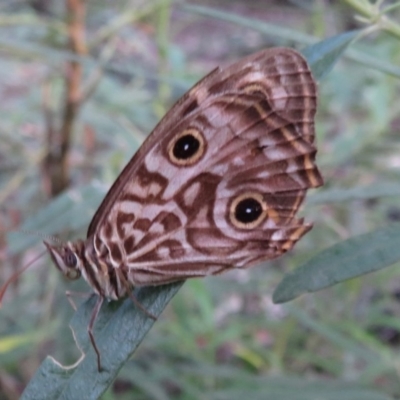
(56, 164)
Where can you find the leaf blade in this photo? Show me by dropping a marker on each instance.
(368, 252)
(118, 332)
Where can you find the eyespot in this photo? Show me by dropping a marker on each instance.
(187, 147)
(248, 210)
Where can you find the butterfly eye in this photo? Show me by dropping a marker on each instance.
(248, 210)
(187, 147)
(70, 259)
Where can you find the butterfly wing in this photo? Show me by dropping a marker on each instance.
(218, 182)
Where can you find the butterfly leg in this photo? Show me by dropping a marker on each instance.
(70, 294)
(140, 307)
(93, 318)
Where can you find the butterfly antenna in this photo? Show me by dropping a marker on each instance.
(16, 275)
(55, 239)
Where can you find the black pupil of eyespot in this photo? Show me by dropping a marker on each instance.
(248, 210)
(186, 147)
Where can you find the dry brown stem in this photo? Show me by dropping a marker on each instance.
(59, 140)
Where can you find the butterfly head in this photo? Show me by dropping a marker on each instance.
(66, 258)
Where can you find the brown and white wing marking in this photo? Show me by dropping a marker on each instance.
(218, 182)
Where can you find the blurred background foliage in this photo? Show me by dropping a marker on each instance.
(220, 337)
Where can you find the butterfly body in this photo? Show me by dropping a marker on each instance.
(215, 186)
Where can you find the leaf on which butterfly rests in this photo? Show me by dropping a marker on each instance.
(118, 330)
(116, 360)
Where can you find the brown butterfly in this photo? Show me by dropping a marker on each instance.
(215, 186)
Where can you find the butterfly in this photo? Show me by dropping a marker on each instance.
(215, 186)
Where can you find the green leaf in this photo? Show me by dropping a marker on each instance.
(345, 260)
(260, 26)
(323, 56)
(118, 331)
(359, 55)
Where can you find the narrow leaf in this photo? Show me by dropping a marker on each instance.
(345, 260)
(257, 25)
(118, 332)
(323, 55)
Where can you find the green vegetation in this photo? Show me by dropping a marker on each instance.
(220, 337)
